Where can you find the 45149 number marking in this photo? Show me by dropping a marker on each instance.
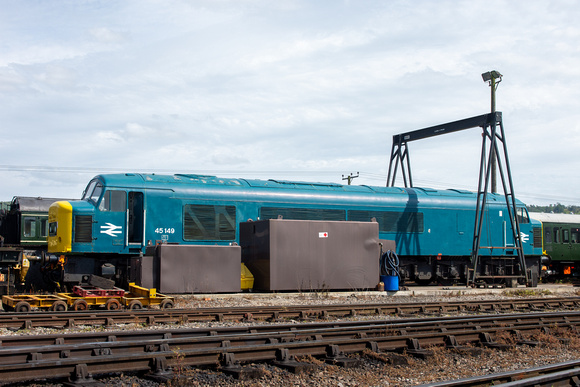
(162, 230)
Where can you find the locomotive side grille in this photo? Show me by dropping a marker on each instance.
(83, 229)
(537, 237)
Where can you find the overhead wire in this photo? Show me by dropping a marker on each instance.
(366, 175)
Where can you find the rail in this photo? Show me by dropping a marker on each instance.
(274, 313)
(157, 351)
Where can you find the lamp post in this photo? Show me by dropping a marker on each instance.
(493, 78)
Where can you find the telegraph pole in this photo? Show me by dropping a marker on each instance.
(350, 177)
(493, 78)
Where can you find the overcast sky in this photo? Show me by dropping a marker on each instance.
(294, 90)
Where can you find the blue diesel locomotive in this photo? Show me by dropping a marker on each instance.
(120, 215)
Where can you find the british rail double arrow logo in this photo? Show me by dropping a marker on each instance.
(111, 229)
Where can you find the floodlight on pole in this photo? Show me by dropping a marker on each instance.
(493, 74)
(493, 78)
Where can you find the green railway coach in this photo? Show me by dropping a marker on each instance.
(561, 244)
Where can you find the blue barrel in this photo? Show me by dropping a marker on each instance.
(391, 282)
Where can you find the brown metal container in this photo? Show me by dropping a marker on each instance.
(190, 269)
(299, 255)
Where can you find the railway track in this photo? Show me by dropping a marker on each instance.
(274, 313)
(561, 374)
(82, 356)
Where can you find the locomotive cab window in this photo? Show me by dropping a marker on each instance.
(522, 215)
(52, 229)
(209, 222)
(93, 191)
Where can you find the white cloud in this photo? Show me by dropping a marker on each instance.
(107, 35)
(108, 137)
(295, 88)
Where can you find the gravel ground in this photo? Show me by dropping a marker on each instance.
(372, 370)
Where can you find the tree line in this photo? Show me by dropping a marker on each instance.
(557, 208)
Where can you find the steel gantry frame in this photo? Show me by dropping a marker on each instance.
(489, 150)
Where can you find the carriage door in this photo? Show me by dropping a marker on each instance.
(135, 218)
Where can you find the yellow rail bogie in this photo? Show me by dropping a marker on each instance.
(70, 299)
(147, 297)
(34, 300)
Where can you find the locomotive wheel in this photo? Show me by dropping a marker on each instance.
(59, 306)
(113, 304)
(80, 305)
(495, 281)
(511, 282)
(22, 307)
(135, 305)
(166, 304)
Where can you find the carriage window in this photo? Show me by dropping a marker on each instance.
(548, 235)
(29, 227)
(391, 221)
(566, 235)
(556, 235)
(576, 235)
(208, 222)
(114, 201)
(43, 228)
(302, 213)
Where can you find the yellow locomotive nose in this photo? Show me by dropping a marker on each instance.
(60, 227)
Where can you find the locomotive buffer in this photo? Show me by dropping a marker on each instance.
(490, 151)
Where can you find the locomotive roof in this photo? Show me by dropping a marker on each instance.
(177, 181)
(25, 203)
(555, 218)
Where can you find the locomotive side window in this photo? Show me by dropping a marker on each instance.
(209, 222)
(302, 213)
(391, 221)
(114, 201)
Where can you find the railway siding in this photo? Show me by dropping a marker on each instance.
(258, 344)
